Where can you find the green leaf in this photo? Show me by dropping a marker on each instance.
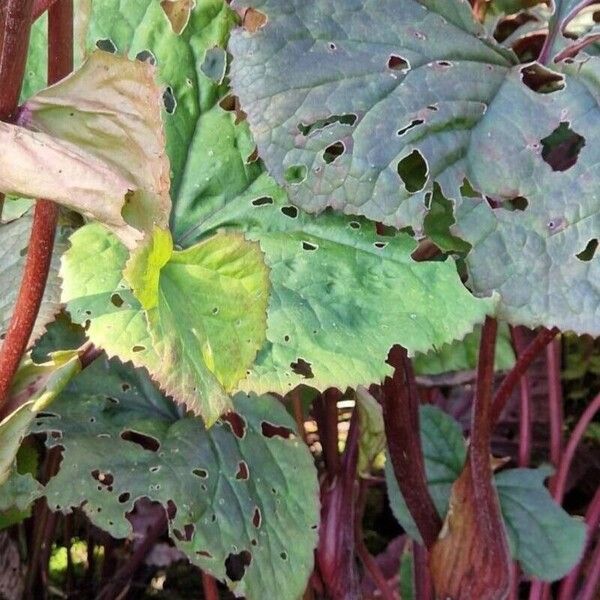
(202, 166)
(330, 275)
(372, 432)
(34, 387)
(546, 541)
(535, 258)
(462, 355)
(242, 490)
(445, 453)
(206, 318)
(371, 127)
(94, 143)
(385, 86)
(14, 242)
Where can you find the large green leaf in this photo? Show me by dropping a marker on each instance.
(245, 491)
(14, 241)
(207, 152)
(330, 278)
(205, 314)
(543, 537)
(384, 83)
(370, 127)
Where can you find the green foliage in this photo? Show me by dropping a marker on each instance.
(244, 488)
(434, 92)
(205, 309)
(545, 540)
(330, 276)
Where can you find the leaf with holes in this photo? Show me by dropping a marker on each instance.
(371, 128)
(14, 242)
(33, 389)
(529, 512)
(363, 107)
(197, 321)
(235, 494)
(330, 275)
(540, 255)
(190, 66)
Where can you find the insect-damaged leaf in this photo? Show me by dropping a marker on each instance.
(393, 83)
(234, 491)
(33, 389)
(371, 128)
(330, 275)
(94, 143)
(205, 314)
(193, 119)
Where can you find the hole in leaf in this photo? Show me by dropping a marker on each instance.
(146, 56)
(380, 245)
(413, 171)
(413, 123)
(345, 119)
(106, 479)
(116, 300)
(236, 564)
(333, 152)
(253, 20)
(202, 473)
(106, 45)
(187, 534)
(125, 386)
(295, 174)
(204, 553)
(541, 79)
(283, 555)
(171, 509)
(518, 203)
(215, 310)
(332, 46)
(231, 103)
(562, 147)
(262, 201)
(355, 224)
(253, 157)
(169, 100)
(141, 439)
(236, 423)
(589, 251)
(256, 517)
(443, 63)
(269, 430)
(243, 473)
(138, 348)
(301, 367)
(124, 497)
(397, 63)
(290, 211)
(309, 246)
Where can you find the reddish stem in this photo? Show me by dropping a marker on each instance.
(554, 401)
(326, 414)
(15, 25)
(592, 520)
(423, 585)
(559, 482)
(543, 338)
(40, 7)
(590, 587)
(401, 418)
(39, 254)
(209, 587)
(524, 403)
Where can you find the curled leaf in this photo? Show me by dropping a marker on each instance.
(94, 142)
